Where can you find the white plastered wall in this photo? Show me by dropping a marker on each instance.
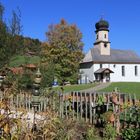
(101, 36)
(117, 69)
(87, 72)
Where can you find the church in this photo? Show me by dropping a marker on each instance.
(104, 64)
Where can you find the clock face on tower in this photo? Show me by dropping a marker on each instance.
(105, 45)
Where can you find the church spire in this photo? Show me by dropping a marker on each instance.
(102, 25)
(102, 39)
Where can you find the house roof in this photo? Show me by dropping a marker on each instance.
(104, 70)
(116, 56)
(18, 70)
(30, 66)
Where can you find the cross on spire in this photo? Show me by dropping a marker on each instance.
(102, 16)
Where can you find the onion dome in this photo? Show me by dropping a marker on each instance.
(102, 25)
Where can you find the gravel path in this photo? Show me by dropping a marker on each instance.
(98, 87)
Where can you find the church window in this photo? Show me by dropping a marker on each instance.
(97, 37)
(136, 70)
(123, 71)
(114, 65)
(101, 66)
(104, 35)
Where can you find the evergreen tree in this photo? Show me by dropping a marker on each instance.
(4, 39)
(1, 12)
(11, 40)
(15, 24)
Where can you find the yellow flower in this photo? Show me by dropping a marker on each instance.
(70, 98)
(137, 103)
(129, 104)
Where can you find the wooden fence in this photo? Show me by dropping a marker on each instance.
(78, 105)
(89, 106)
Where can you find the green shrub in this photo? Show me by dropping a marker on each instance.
(91, 134)
(131, 134)
(109, 132)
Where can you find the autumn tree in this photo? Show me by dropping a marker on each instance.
(64, 49)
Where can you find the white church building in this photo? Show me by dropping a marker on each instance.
(104, 64)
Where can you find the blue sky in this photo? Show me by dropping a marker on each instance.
(122, 15)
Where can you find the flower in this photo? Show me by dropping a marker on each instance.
(70, 98)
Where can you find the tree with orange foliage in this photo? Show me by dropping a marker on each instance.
(64, 49)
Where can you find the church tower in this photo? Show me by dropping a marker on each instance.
(102, 39)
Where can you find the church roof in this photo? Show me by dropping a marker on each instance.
(103, 70)
(116, 56)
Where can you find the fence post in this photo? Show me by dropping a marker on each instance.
(90, 100)
(86, 105)
(77, 105)
(66, 100)
(94, 104)
(17, 101)
(81, 108)
(59, 105)
(134, 99)
(29, 102)
(45, 103)
(130, 101)
(108, 102)
(125, 108)
(72, 104)
(11, 101)
(26, 101)
(62, 107)
(119, 103)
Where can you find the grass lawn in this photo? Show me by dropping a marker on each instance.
(125, 87)
(69, 88)
(18, 60)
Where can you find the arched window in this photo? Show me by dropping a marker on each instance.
(123, 71)
(101, 66)
(136, 70)
(104, 35)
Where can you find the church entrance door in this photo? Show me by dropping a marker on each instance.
(103, 75)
